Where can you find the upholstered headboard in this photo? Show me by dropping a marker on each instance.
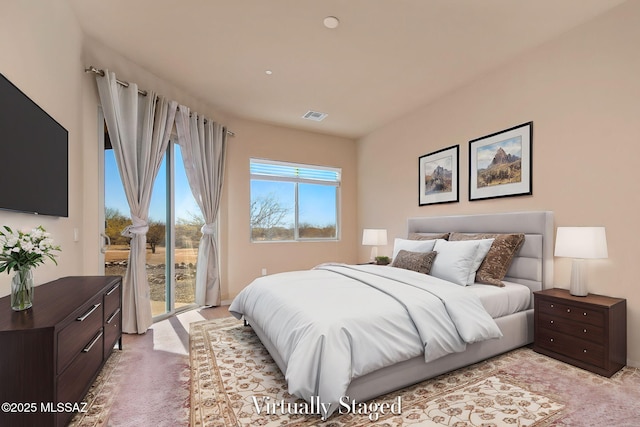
(533, 264)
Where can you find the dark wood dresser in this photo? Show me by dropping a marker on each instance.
(589, 332)
(51, 353)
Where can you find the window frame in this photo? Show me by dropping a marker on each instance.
(296, 179)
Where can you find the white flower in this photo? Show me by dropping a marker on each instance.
(22, 249)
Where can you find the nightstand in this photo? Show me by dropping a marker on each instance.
(589, 332)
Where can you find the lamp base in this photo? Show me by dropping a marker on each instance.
(578, 286)
(374, 254)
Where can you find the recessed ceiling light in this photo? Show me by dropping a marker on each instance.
(331, 22)
(268, 72)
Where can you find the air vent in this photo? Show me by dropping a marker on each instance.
(315, 116)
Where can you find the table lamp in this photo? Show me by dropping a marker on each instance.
(580, 243)
(374, 237)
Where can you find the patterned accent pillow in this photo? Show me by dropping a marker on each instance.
(428, 236)
(498, 259)
(415, 261)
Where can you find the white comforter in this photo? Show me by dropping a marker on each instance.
(338, 322)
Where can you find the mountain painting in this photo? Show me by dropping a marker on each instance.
(500, 163)
(438, 175)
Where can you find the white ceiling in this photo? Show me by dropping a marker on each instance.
(386, 58)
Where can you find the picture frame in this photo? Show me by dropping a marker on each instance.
(501, 164)
(438, 176)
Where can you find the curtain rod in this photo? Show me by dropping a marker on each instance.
(92, 69)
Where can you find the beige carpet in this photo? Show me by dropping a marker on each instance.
(232, 374)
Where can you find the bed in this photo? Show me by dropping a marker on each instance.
(383, 369)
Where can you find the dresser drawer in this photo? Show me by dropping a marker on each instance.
(112, 300)
(575, 329)
(561, 309)
(575, 348)
(74, 382)
(112, 328)
(75, 336)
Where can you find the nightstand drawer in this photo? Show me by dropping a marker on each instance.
(589, 332)
(571, 312)
(583, 350)
(585, 331)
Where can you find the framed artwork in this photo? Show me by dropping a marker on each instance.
(500, 164)
(438, 176)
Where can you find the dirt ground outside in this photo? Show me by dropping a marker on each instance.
(116, 259)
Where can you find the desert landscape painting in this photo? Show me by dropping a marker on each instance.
(500, 163)
(438, 176)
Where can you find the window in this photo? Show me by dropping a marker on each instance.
(292, 201)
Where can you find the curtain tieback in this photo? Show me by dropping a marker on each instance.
(208, 229)
(138, 227)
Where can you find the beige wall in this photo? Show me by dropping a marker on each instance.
(44, 54)
(244, 260)
(241, 260)
(40, 45)
(582, 92)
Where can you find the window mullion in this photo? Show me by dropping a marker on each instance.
(296, 232)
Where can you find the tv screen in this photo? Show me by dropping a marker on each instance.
(33, 156)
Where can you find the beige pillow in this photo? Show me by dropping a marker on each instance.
(428, 236)
(415, 261)
(498, 259)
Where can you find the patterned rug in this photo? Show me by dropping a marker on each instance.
(100, 396)
(232, 375)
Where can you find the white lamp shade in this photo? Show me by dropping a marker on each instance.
(374, 237)
(581, 242)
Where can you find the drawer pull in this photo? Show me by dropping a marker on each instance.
(551, 305)
(88, 313)
(584, 314)
(568, 310)
(115, 313)
(551, 339)
(113, 289)
(87, 349)
(585, 331)
(584, 351)
(551, 322)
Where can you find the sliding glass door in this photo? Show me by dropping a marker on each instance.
(173, 236)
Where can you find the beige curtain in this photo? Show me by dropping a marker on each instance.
(139, 128)
(203, 146)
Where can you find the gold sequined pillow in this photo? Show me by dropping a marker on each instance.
(428, 236)
(415, 261)
(498, 259)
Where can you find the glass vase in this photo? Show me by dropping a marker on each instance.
(22, 289)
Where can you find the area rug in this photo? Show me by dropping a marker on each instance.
(100, 396)
(232, 376)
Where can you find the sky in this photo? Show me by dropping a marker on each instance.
(317, 203)
(115, 197)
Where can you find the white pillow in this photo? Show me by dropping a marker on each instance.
(481, 253)
(412, 246)
(458, 261)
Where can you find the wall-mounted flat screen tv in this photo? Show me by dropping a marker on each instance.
(34, 165)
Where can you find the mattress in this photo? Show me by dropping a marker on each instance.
(502, 301)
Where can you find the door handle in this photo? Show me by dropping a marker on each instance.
(107, 240)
